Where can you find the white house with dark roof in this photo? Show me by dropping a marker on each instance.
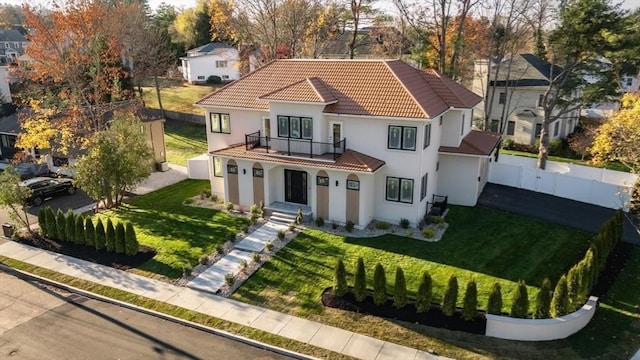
(516, 94)
(346, 140)
(213, 59)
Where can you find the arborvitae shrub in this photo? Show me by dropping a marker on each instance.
(520, 305)
(70, 226)
(60, 226)
(585, 279)
(379, 285)
(543, 301)
(42, 222)
(560, 300)
(120, 242)
(340, 278)
(79, 230)
(494, 303)
(470, 301)
(50, 223)
(425, 293)
(89, 232)
(595, 264)
(573, 287)
(101, 241)
(399, 289)
(360, 282)
(450, 296)
(131, 241)
(110, 236)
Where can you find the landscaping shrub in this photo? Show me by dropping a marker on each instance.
(220, 249)
(188, 201)
(42, 222)
(253, 209)
(269, 245)
(299, 217)
(573, 287)
(508, 144)
(229, 279)
(334, 225)
(280, 235)
(110, 236)
(543, 301)
(203, 259)
(256, 257)
(428, 233)
(425, 293)
(349, 226)
(229, 207)
(560, 300)
(450, 296)
(319, 221)
(119, 238)
(520, 304)
(130, 240)
(214, 198)
(101, 240)
(61, 222)
(382, 225)
(340, 278)
(399, 289)
(70, 226)
(245, 229)
(404, 223)
(261, 209)
(243, 265)
(470, 301)
(379, 285)
(292, 226)
(186, 269)
(494, 303)
(89, 233)
(79, 237)
(555, 147)
(360, 282)
(214, 80)
(585, 279)
(50, 223)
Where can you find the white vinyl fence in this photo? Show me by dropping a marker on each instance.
(595, 186)
(198, 167)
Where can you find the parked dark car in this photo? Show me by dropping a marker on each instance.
(30, 170)
(43, 188)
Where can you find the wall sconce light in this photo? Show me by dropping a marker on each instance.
(337, 183)
(244, 171)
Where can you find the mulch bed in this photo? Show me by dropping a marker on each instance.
(118, 261)
(433, 317)
(615, 263)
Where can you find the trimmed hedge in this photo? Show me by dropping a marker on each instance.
(70, 226)
(60, 226)
(79, 236)
(520, 304)
(560, 300)
(543, 301)
(100, 236)
(379, 285)
(494, 303)
(110, 236)
(119, 238)
(340, 278)
(131, 240)
(400, 289)
(470, 302)
(89, 232)
(425, 293)
(360, 282)
(450, 296)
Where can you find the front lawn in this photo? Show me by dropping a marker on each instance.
(180, 234)
(184, 141)
(484, 244)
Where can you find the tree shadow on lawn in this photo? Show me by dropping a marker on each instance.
(157, 267)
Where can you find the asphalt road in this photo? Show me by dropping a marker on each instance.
(73, 327)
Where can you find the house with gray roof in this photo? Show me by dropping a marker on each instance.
(12, 45)
(515, 95)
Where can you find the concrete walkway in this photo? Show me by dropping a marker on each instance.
(212, 279)
(314, 333)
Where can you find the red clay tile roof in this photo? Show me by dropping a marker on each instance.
(390, 88)
(350, 160)
(475, 143)
(306, 90)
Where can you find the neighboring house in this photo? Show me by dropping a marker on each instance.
(516, 94)
(12, 46)
(213, 59)
(346, 140)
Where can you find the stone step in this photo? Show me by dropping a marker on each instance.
(282, 218)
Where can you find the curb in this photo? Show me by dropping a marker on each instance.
(257, 344)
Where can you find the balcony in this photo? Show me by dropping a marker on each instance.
(294, 147)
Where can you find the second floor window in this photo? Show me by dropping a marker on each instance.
(427, 136)
(220, 123)
(295, 127)
(503, 98)
(402, 137)
(221, 64)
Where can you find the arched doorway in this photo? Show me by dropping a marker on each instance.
(353, 199)
(322, 194)
(258, 183)
(232, 182)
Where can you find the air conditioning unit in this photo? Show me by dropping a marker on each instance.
(162, 166)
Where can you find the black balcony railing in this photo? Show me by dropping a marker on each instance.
(295, 147)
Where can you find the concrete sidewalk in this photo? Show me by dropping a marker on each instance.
(313, 333)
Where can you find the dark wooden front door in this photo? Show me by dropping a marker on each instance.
(295, 186)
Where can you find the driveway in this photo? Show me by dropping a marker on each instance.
(64, 202)
(558, 210)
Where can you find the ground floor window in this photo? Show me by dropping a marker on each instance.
(399, 190)
(217, 167)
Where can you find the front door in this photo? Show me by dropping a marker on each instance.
(295, 186)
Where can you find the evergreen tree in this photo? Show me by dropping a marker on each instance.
(425, 293)
(131, 240)
(340, 278)
(70, 226)
(573, 287)
(379, 285)
(119, 241)
(42, 214)
(520, 305)
(101, 241)
(110, 238)
(60, 226)
(543, 301)
(79, 231)
(470, 302)
(89, 232)
(360, 283)
(400, 289)
(494, 304)
(50, 223)
(560, 300)
(450, 297)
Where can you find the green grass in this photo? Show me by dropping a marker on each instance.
(180, 234)
(176, 311)
(178, 98)
(184, 141)
(614, 165)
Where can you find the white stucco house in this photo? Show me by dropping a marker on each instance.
(515, 95)
(213, 59)
(346, 140)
